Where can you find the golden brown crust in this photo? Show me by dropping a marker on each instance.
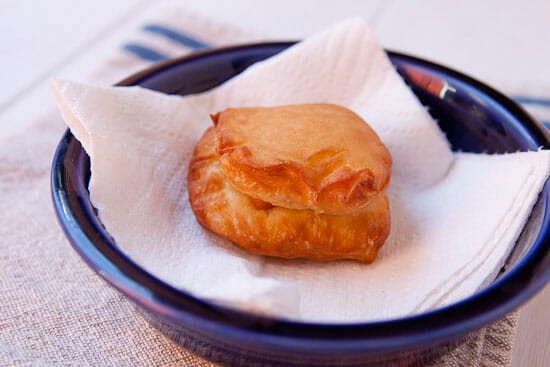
(262, 228)
(321, 157)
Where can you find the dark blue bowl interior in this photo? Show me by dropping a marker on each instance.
(474, 117)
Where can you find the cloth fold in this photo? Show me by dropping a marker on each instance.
(54, 310)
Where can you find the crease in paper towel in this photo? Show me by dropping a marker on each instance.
(505, 232)
(445, 207)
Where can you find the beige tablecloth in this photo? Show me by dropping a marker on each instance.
(53, 309)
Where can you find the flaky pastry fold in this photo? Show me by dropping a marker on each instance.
(262, 228)
(321, 157)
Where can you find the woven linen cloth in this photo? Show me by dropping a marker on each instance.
(53, 309)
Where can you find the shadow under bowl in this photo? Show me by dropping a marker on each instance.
(474, 117)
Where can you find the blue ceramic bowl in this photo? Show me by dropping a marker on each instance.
(475, 118)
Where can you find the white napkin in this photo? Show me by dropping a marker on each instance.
(455, 217)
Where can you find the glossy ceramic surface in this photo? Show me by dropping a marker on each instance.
(475, 118)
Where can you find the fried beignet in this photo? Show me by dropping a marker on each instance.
(262, 228)
(321, 157)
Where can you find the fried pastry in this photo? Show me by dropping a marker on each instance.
(321, 157)
(307, 194)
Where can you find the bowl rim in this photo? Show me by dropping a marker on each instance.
(221, 322)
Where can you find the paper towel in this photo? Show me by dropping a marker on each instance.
(455, 217)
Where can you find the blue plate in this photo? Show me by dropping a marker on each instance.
(475, 118)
